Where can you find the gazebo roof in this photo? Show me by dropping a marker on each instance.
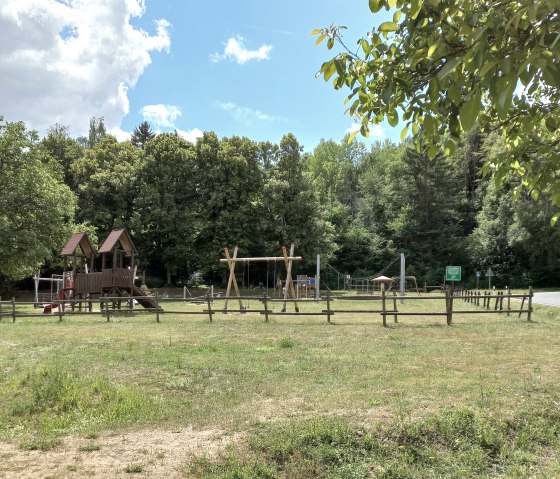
(80, 240)
(382, 279)
(115, 237)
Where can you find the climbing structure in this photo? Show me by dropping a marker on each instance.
(116, 278)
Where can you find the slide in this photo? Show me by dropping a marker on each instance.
(138, 294)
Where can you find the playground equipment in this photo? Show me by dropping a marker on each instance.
(288, 261)
(116, 278)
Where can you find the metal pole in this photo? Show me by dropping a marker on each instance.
(36, 279)
(402, 277)
(318, 278)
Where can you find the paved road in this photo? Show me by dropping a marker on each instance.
(549, 298)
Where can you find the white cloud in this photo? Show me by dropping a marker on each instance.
(245, 115)
(164, 116)
(161, 116)
(191, 135)
(65, 61)
(235, 50)
(375, 131)
(120, 134)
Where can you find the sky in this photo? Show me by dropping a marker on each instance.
(245, 68)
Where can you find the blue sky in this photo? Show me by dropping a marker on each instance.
(237, 68)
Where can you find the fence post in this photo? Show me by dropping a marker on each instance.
(508, 300)
(265, 302)
(449, 306)
(209, 303)
(60, 306)
(497, 299)
(0, 308)
(157, 306)
(383, 309)
(395, 306)
(13, 310)
(530, 304)
(328, 306)
(107, 308)
(521, 309)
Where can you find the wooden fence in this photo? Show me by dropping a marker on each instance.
(381, 306)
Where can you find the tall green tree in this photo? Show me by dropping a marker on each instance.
(230, 182)
(165, 222)
(291, 209)
(449, 64)
(64, 149)
(36, 208)
(105, 181)
(142, 134)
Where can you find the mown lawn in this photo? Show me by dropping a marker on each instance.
(371, 396)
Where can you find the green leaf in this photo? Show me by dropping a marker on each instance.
(374, 5)
(316, 31)
(428, 126)
(328, 70)
(535, 194)
(469, 112)
(554, 219)
(393, 118)
(352, 136)
(433, 151)
(320, 39)
(449, 147)
(448, 67)
(388, 27)
(404, 132)
(432, 49)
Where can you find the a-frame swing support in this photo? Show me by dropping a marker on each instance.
(288, 261)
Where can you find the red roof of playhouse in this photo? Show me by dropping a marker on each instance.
(121, 236)
(79, 240)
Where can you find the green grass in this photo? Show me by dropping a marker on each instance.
(274, 381)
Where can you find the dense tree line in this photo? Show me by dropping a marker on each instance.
(184, 202)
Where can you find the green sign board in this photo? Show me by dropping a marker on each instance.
(452, 273)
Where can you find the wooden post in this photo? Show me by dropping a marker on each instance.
(209, 303)
(521, 309)
(395, 306)
(60, 306)
(383, 309)
(13, 310)
(496, 302)
(0, 308)
(232, 279)
(508, 300)
(265, 302)
(289, 283)
(530, 304)
(328, 306)
(107, 308)
(449, 306)
(157, 306)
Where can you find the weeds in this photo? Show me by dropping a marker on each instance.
(456, 443)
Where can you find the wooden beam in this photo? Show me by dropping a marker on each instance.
(262, 259)
(289, 283)
(232, 280)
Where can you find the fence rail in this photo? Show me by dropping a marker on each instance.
(383, 305)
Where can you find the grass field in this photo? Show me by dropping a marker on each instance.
(303, 398)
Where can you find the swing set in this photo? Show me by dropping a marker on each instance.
(288, 260)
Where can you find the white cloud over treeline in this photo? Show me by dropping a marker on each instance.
(65, 61)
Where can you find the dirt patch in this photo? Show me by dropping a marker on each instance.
(154, 454)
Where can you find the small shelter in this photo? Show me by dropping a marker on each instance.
(382, 281)
(116, 249)
(80, 248)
